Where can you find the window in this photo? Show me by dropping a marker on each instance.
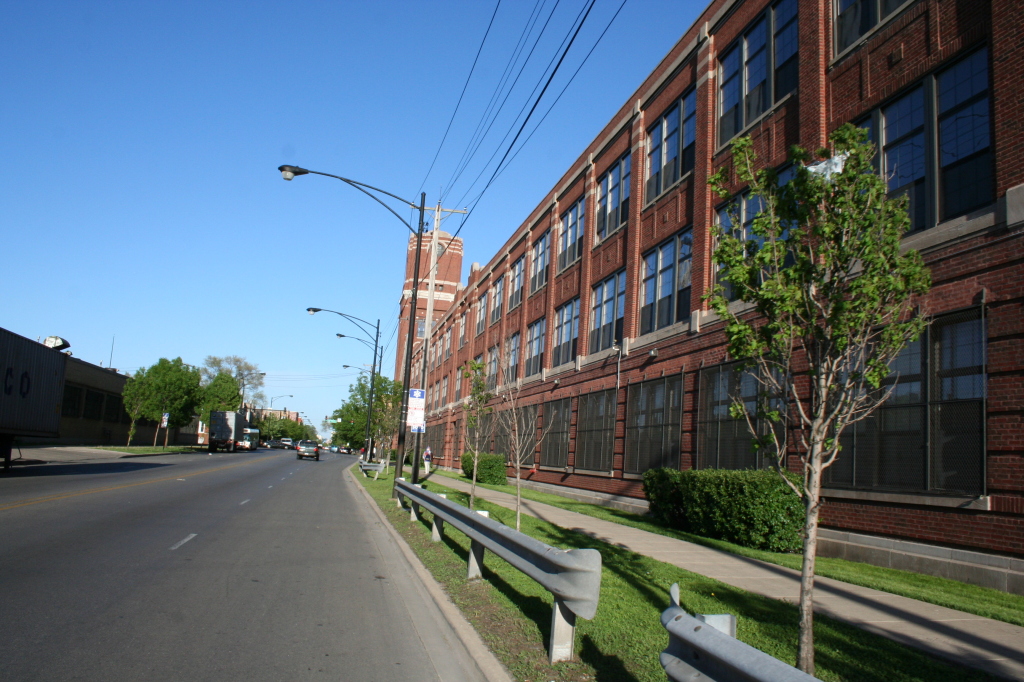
(670, 151)
(744, 208)
(515, 294)
(653, 424)
(613, 198)
(71, 406)
(541, 259)
(567, 331)
(571, 238)
(458, 385)
(448, 343)
(112, 409)
(666, 285)
(928, 436)
(723, 441)
(608, 311)
(492, 367)
(554, 448)
(525, 417)
(512, 370)
(535, 346)
(951, 108)
(444, 390)
(93, 405)
(746, 91)
(421, 326)
(854, 18)
(462, 330)
(499, 299)
(595, 431)
(481, 313)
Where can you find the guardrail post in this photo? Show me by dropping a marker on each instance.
(413, 509)
(437, 530)
(476, 561)
(563, 633)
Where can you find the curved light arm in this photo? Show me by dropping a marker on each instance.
(355, 338)
(289, 172)
(359, 322)
(360, 369)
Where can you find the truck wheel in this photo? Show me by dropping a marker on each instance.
(212, 448)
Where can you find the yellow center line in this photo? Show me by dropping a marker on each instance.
(53, 498)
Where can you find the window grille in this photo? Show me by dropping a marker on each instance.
(723, 441)
(653, 424)
(554, 448)
(595, 431)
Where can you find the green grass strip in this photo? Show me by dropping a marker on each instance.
(623, 642)
(953, 594)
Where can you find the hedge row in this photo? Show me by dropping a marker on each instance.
(492, 468)
(750, 508)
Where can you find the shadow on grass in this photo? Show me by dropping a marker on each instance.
(32, 470)
(607, 668)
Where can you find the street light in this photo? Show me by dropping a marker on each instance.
(278, 396)
(289, 172)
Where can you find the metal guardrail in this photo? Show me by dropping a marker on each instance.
(376, 467)
(572, 576)
(704, 648)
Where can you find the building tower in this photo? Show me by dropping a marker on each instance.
(446, 282)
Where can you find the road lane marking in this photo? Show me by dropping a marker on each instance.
(269, 487)
(177, 545)
(242, 502)
(54, 498)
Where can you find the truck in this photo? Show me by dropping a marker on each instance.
(31, 389)
(227, 430)
(250, 439)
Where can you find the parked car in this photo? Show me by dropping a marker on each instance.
(287, 443)
(307, 448)
(334, 448)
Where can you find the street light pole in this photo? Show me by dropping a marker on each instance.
(368, 439)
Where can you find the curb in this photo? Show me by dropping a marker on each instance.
(486, 661)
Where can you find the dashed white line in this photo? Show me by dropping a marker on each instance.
(269, 486)
(176, 546)
(242, 502)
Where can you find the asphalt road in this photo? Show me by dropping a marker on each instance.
(246, 566)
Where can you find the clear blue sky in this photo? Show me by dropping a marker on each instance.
(141, 140)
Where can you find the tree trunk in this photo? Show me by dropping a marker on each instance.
(519, 494)
(166, 432)
(131, 432)
(472, 488)
(156, 434)
(812, 503)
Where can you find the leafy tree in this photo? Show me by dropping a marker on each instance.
(475, 408)
(220, 394)
(247, 374)
(833, 299)
(387, 404)
(173, 389)
(135, 394)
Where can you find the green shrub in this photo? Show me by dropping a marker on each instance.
(750, 508)
(492, 468)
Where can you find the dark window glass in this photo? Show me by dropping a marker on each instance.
(787, 64)
(607, 312)
(541, 259)
(567, 327)
(71, 406)
(666, 284)
(512, 370)
(571, 238)
(595, 431)
(756, 71)
(725, 442)
(854, 18)
(93, 405)
(499, 299)
(112, 409)
(730, 121)
(965, 157)
(613, 198)
(904, 152)
(653, 418)
(554, 448)
(515, 296)
(535, 346)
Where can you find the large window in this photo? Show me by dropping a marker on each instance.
(666, 286)
(71, 406)
(760, 69)
(462, 330)
(613, 198)
(670, 151)
(481, 313)
(724, 441)
(567, 331)
(951, 108)
(444, 390)
(571, 239)
(515, 294)
(741, 210)
(854, 18)
(554, 448)
(499, 299)
(653, 416)
(93, 405)
(595, 431)
(447, 343)
(492, 367)
(511, 369)
(607, 312)
(535, 346)
(521, 445)
(540, 261)
(929, 435)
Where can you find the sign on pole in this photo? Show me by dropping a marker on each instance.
(416, 417)
(164, 420)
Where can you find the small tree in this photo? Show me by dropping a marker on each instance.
(517, 423)
(135, 394)
(474, 409)
(833, 296)
(174, 390)
(247, 374)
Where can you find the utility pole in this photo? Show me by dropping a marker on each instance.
(429, 326)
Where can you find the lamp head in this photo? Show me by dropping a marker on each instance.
(289, 172)
(313, 311)
(340, 336)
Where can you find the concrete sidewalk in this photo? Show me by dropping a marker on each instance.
(990, 645)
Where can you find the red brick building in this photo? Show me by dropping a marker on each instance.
(596, 298)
